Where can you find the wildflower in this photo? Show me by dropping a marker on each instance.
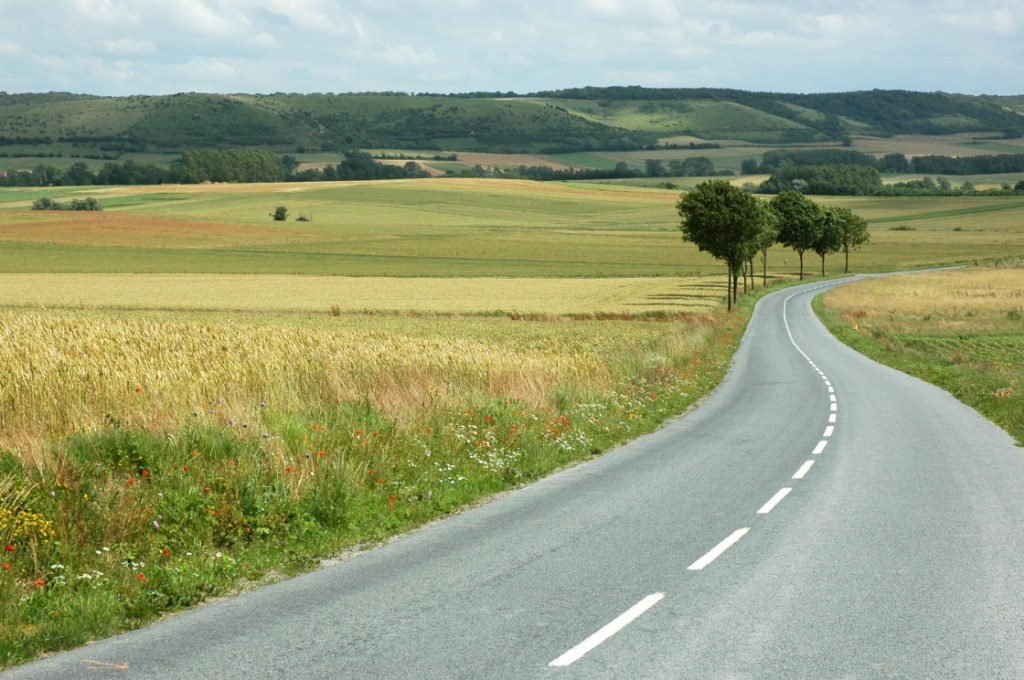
(206, 489)
(131, 480)
(372, 472)
(321, 453)
(40, 582)
(489, 419)
(288, 468)
(7, 566)
(10, 547)
(391, 500)
(138, 390)
(184, 468)
(140, 577)
(156, 525)
(166, 552)
(145, 473)
(195, 454)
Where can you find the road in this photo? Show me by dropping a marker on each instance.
(819, 515)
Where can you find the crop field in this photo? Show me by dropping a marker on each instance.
(273, 293)
(960, 329)
(444, 228)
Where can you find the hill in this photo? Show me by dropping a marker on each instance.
(572, 120)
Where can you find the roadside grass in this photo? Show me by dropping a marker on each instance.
(152, 460)
(962, 330)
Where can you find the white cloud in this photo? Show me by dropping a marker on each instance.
(458, 45)
(128, 46)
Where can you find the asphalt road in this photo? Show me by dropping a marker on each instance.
(898, 551)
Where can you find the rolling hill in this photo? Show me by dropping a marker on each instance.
(572, 120)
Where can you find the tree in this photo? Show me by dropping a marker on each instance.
(766, 238)
(800, 223)
(749, 167)
(854, 231)
(831, 238)
(654, 167)
(722, 221)
(1019, 188)
(280, 213)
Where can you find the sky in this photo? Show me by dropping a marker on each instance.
(121, 47)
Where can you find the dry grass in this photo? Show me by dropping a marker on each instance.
(951, 300)
(340, 294)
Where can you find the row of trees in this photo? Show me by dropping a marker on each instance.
(893, 162)
(213, 165)
(736, 227)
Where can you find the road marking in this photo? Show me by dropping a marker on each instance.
(829, 430)
(832, 407)
(820, 447)
(828, 383)
(832, 397)
(618, 623)
(803, 470)
(831, 389)
(774, 500)
(715, 552)
(831, 417)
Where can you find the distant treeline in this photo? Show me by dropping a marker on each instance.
(212, 165)
(863, 180)
(698, 166)
(893, 162)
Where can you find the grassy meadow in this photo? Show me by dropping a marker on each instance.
(197, 399)
(444, 228)
(960, 329)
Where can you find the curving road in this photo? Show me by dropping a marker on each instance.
(819, 515)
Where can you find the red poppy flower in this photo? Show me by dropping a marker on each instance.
(10, 547)
(140, 577)
(131, 480)
(321, 453)
(184, 468)
(145, 473)
(165, 552)
(138, 390)
(7, 566)
(40, 582)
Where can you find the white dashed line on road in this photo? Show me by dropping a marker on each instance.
(618, 623)
(773, 501)
(820, 447)
(803, 469)
(715, 552)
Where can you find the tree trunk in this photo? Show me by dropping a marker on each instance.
(764, 268)
(847, 270)
(822, 265)
(728, 289)
(801, 265)
(735, 285)
(744, 272)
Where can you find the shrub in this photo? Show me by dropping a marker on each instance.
(280, 213)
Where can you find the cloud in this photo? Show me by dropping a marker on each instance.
(127, 46)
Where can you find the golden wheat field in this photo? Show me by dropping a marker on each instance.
(69, 372)
(430, 295)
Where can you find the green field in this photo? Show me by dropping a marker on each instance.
(446, 227)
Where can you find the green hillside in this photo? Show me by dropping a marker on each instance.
(563, 121)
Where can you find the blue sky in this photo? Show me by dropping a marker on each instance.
(164, 46)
